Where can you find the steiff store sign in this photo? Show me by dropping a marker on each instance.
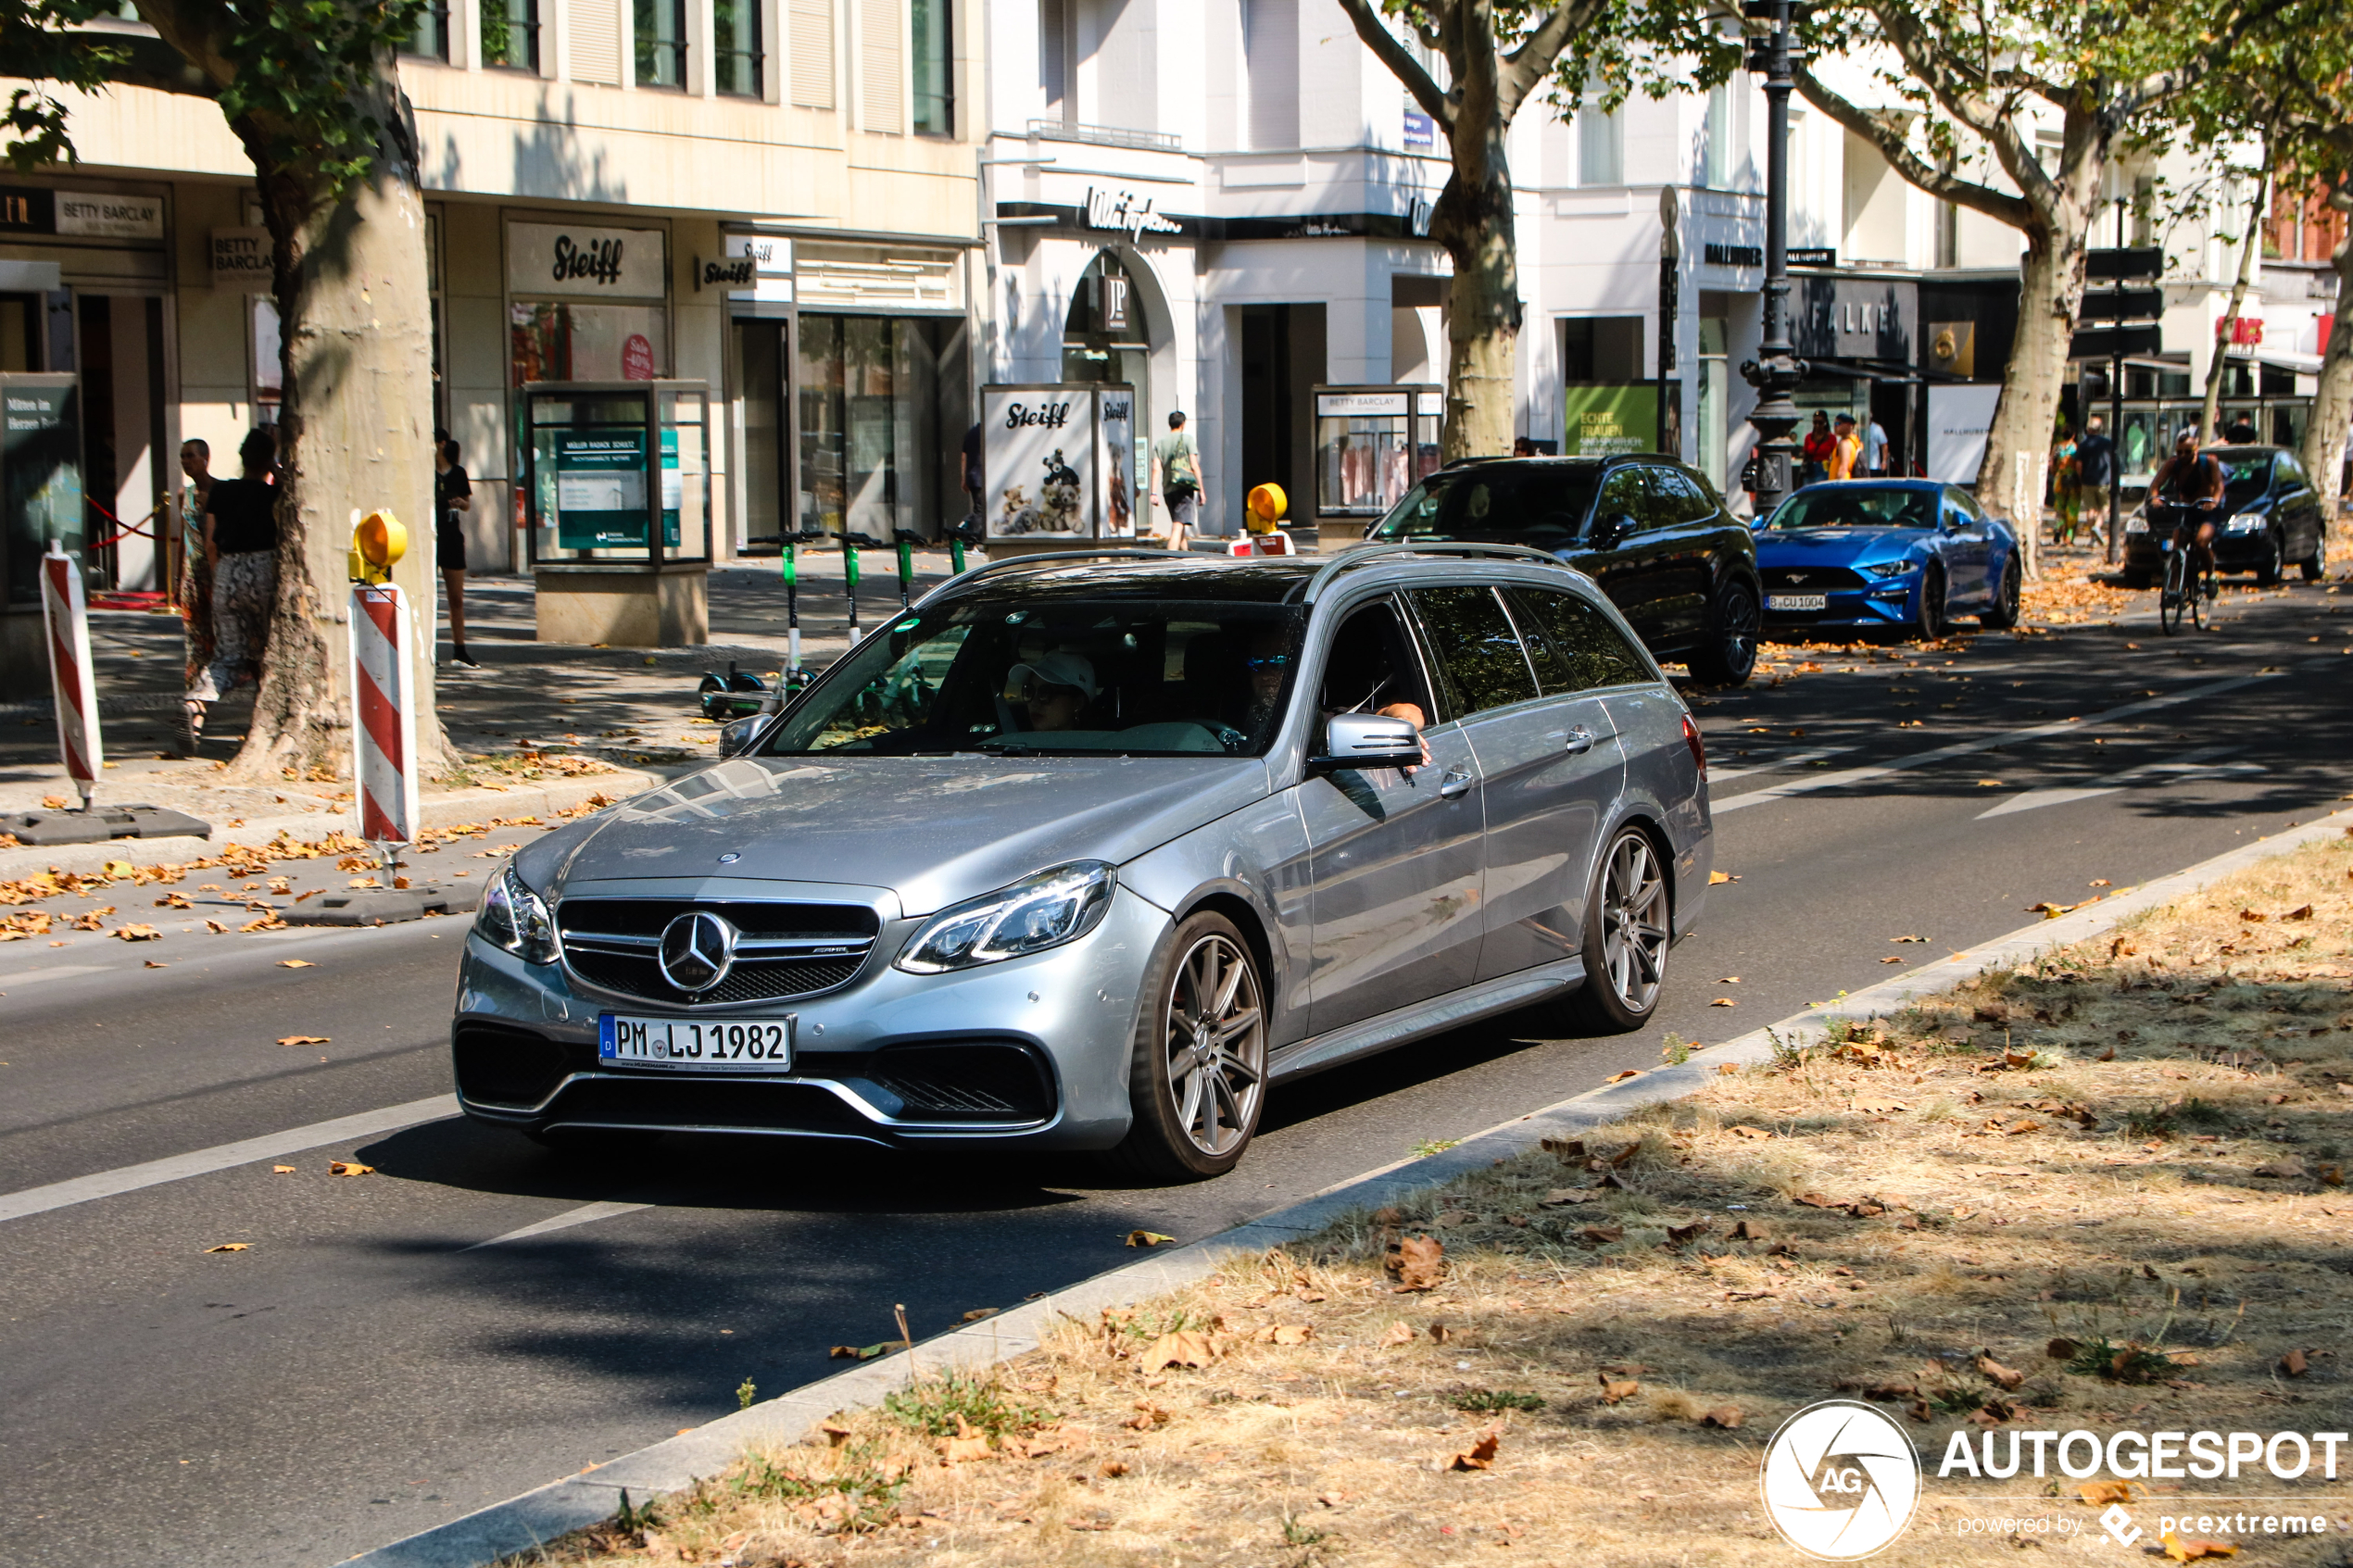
(575, 260)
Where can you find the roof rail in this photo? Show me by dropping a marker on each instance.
(1068, 555)
(1362, 554)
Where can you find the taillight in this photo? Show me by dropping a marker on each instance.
(1699, 747)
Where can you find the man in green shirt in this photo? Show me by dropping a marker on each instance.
(1176, 479)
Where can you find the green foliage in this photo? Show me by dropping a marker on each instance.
(302, 70)
(858, 1476)
(2127, 1363)
(746, 1392)
(1429, 1146)
(934, 1405)
(1479, 1400)
(38, 43)
(1676, 1050)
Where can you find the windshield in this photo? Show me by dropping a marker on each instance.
(1856, 505)
(1021, 673)
(2246, 473)
(1537, 504)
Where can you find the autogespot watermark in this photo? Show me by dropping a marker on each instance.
(1842, 1480)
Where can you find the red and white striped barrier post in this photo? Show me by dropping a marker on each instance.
(385, 738)
(65, 615)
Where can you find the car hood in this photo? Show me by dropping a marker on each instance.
(1828, 546)
(933, 828)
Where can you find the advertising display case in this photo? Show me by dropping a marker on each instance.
(41, 499)
(1059, 463)
(617, 510)
(1372, 445)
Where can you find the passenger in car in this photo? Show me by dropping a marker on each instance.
(1056, 689)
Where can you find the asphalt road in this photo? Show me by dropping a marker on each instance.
(367, 1367)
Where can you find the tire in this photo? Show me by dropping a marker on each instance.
(1928, 614)
(2140, 581)
(1197, 1081)
(2003, 615)
(1730, 656)
(2315, 566)
(1628, 933)
(2174, 597)
(2267, 571)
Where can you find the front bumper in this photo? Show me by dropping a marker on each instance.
(1880, 605)
(2233, 552)
(1032, 1050)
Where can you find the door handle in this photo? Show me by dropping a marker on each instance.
(1578, 740)
(1455, 785)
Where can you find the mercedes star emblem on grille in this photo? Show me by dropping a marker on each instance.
(697, 949)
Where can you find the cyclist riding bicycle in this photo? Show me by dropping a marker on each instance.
(2190, 485)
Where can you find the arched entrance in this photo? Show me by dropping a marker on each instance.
(1115, 330)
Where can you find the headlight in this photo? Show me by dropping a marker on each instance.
(514, 919)
(2247, 523)
(2137, 523)
(1035, 913)
(1890, 567)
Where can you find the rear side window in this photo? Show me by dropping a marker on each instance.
(1624, 494)
(1582, 649)
(1479, 659)
(1679, 500)
(2291, 471)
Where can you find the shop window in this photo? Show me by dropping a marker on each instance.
(1270, 58)
(1601, 146)
(1715, 400)
(882, 413)
(431, 40)
(1104, 340)
(661, 42)
(510, 34)
(560, 341)
(736, 47)
(812, 54)
(1601, 349)
(1715, 156)
(1054, 60)
(935, 67)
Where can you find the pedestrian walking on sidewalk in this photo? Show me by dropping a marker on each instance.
(1177, 476)
(2066, 487)
(1815, 452)
(453, 498)
(193, 591)
(241, 547)
(1847, 450)
(2095, 473)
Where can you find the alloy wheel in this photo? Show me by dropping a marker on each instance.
(1216, 1044)
(1634, 923)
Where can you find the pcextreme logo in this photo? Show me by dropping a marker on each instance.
(1840, 1481)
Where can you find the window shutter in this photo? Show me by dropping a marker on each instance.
(596, 41)
(812, 54)
(881, 49)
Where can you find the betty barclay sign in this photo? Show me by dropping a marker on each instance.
(1841, 1481)
(570, 260)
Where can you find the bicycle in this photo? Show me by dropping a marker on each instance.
(2180, 594)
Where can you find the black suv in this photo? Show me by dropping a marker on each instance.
(1652, 532)
(2270, 520)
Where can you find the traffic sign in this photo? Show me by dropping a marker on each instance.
(2121, 262)
(2105, 343)
(2121, 304)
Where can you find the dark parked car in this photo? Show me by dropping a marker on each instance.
(1652, 532)
(2269, 520)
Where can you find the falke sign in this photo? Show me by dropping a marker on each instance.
(547, 258)
(1126, 212)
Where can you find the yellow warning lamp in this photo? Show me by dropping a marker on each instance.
(1267, 504)
(378, 541)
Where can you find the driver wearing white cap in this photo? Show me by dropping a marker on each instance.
(1056, 686)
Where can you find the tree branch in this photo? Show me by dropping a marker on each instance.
(1525, 67)
(1400, 60)
(1884, 132)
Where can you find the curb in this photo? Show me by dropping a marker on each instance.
(438, 810)
(538, 1516)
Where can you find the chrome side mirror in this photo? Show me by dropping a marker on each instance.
(740, 736)
(1368, 740)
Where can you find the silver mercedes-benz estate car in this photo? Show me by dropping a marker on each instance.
(1087, 853)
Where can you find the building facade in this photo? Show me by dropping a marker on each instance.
(771, 197)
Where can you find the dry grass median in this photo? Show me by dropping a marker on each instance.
(2101, 1191)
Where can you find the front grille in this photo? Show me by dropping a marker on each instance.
(1809, 579)
(497, 1065)
(649, 1101)
(610, 944)
(981, 1080)
(750, 981)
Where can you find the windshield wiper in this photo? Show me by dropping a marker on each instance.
(1006, 749)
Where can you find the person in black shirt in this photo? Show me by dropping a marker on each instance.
(241, 545)
(2095, 460)
(453, 497)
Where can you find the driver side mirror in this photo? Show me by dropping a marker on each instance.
(1611, 527)
(1368, 740)
(743, 735)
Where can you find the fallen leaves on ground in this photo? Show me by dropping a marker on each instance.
(1481, 1455)
(230, 1247)
(1186, 1347)
(136, 933)
(296, 963)
(349, 1168)
(2181, 1551)
(1617, 1390)
(1417, 1262)
(305, 1039)
(1716, 879)
(1148, 1238)
(281, 1169)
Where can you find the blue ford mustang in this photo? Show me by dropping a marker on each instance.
(1871, 553)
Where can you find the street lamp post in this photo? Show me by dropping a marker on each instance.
(1777, 370)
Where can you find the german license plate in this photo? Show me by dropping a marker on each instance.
(1798, 601)
(736, 1044)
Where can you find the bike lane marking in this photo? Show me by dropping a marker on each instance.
(1845, 776)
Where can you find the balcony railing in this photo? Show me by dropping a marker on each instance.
(1106, 135)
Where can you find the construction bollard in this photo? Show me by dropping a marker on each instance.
(384, 734)
(64, 615)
